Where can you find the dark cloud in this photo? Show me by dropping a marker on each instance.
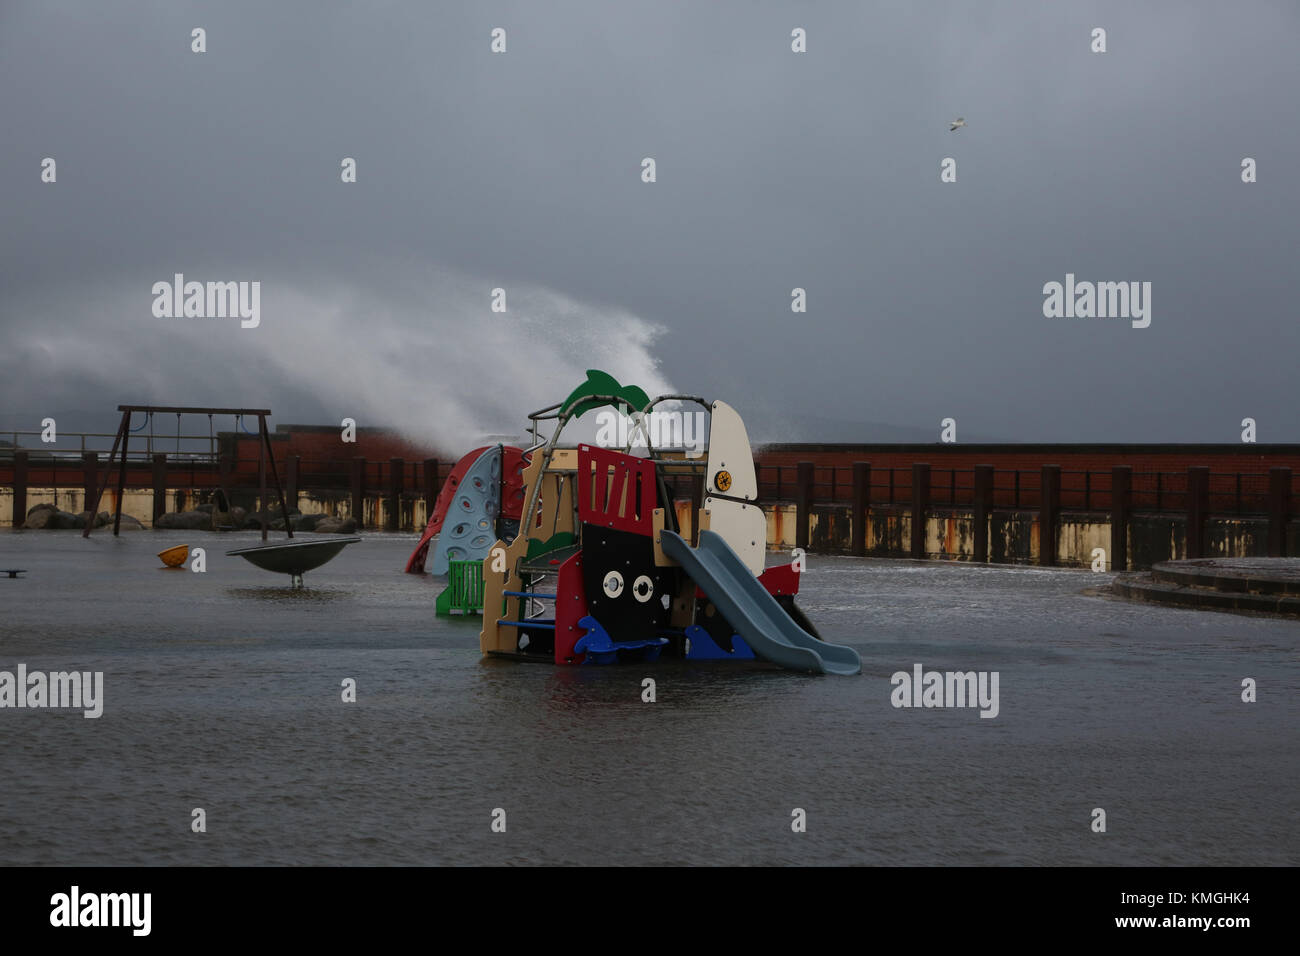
(775, 170)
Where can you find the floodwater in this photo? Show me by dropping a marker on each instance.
(222, 691)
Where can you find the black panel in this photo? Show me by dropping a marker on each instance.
(632, 556)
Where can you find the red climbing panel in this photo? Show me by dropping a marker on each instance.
(616, 490)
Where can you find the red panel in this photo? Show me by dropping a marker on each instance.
(570, 608)
(782, 579)
(616, 490)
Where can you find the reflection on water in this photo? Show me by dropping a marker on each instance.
(308, 595)
(224, 692)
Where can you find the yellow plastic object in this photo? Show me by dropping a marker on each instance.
(175, 557)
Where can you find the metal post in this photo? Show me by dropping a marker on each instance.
(292, 468)
(431, 486)
(358, 489)
(1198, 507)
(269, 452)
(1121, 481)
(1279, 510)
(20, 488)
(397, 467)
(803, 502)
(121, 474)
(159, 485)
(89, 469)
(1049, 512)
(920, 506)
(983, 507)
(861, 505)
(261, 480)
(108, 470)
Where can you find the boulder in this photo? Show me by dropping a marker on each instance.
(129, 523)
(65, 521)
(329, 525)
(299, 522)
(184, 521)
(39, 517)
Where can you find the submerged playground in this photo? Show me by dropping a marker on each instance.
(591, 550)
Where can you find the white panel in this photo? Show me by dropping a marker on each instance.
(743, 527)
(729, 451)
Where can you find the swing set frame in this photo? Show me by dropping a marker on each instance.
(265, 454)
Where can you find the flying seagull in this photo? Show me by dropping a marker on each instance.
(958, 122)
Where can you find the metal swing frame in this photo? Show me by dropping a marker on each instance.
(123, 439)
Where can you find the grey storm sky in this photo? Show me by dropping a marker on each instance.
(775, 170)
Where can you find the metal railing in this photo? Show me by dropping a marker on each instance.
(1089, 490)
(1234, 493)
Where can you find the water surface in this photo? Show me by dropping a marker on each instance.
(223, 692)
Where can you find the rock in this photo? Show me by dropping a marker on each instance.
(253, 522)
(184, 521)
(39, 517)
(100, 519)
(129, 523)
(329, 525)
(52, 519)
(65, 521)
(299, 522)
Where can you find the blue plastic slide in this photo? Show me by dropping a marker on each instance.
(754, 613)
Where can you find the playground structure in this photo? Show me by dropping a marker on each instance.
(599, 570)
(295, 558)
(487, 505)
